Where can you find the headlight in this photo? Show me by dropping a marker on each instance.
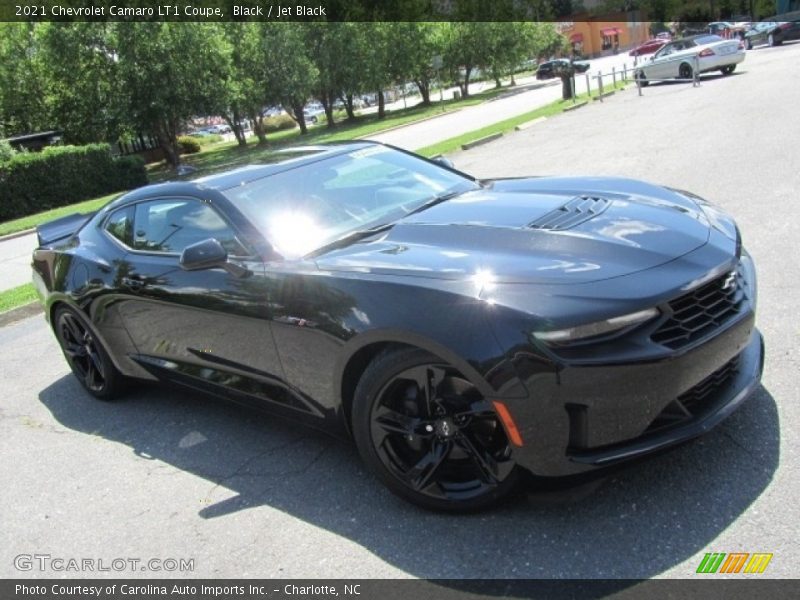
(597, 328)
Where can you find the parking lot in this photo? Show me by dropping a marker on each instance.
(173, 475)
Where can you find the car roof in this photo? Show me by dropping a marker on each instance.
(277, 162)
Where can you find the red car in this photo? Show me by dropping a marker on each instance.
(649, 47)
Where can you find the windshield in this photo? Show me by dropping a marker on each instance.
(707, 39)
(310, 206)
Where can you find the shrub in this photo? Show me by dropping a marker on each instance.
(31, 182)
(6, 151)
(207, 140)
(273, 124)
(188, 145)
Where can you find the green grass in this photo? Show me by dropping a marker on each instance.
(18, 296)
(31, 221)
(504, 126)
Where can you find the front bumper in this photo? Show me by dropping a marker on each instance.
(586, 417)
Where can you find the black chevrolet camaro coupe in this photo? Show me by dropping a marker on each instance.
(463, 332)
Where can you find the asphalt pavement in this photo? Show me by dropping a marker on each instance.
(167, 474)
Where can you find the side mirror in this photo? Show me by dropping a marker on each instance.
(209, 254)
(444, 161)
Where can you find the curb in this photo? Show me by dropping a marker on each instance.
(19, 313)
(483, 140)
(524, 126)
(604, 95)
(16, 234)
(576, 105)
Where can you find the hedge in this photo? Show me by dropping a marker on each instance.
(32, 182)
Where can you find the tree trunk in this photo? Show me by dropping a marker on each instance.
(424, 87)
(496, 77)
(465, 84)
(236, 128)
(168, 142)
(327, 104)
(258, 128)
(297, 109)
(381, 105)
(348, 106)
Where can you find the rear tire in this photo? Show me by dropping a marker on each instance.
(685, 71)
(728, 69)
(429, 435)
(771, 40)
(86, 355)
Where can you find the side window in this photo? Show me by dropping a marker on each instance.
(120, 225)
(170, 225)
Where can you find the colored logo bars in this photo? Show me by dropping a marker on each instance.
(736, 562)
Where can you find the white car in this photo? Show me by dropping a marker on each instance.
(680, 58)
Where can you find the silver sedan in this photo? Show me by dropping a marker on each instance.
(681, 58)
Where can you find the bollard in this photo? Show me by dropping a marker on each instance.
(600, 84)
(624, 71)
(696, 73)
(614, 77)
(572, 85)
(638, 83)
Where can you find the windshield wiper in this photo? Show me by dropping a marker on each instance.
(350, 238)
(438, 199)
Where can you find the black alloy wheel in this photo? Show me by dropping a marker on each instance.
(86, 356)
(685, 71)
(429, 435)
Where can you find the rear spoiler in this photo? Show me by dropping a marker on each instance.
(62, 228)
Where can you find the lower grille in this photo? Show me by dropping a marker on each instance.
(702, 311)
(695, 401)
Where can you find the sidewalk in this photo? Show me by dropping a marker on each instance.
(15, 261)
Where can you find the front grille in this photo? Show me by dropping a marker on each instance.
(574, 212)
(700, 312)
(695, 401)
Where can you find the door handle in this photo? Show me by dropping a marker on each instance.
(136, 282)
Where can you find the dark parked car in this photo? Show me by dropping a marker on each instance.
(772, 33)
(550, 69)
(464, 332)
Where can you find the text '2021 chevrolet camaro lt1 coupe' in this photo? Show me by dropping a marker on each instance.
(463, 332)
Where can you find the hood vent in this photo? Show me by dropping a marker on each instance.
(576, 211)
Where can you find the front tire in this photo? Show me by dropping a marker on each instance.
(427, 433)
(642, 79)
(748, 44)
(86, 356)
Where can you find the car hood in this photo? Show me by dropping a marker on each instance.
(548, 230)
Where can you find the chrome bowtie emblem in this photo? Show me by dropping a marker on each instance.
(730, 280)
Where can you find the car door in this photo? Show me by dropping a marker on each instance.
(660, 63)
(210, 328)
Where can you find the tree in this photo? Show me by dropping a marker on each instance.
(464, 50)
(294, 76)
(169, 72)
(413, 47)
(79, 68)
(22, 105)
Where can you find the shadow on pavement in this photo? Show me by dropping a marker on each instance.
(640, 522)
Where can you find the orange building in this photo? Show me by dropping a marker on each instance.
(601, 36)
